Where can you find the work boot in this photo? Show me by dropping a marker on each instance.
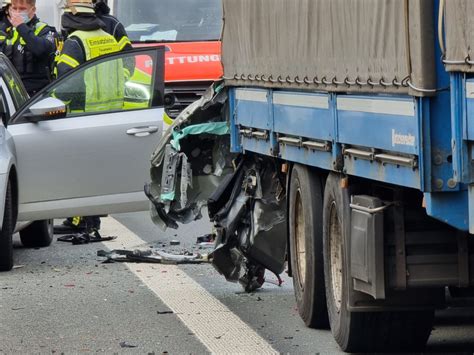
(91, 223)
(71, 225)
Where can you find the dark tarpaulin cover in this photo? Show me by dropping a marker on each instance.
(459, 25)
(302, 43)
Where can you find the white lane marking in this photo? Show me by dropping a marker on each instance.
(384, 107)
(220, 330)
(301, 100)
(251, 95)
(470, 90)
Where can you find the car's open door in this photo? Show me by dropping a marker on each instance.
(80, 158)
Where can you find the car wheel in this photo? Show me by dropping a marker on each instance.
(361, 331)
(38, 234)
(306, 246)
(6, 246)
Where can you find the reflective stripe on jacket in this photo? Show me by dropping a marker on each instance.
(104, 83)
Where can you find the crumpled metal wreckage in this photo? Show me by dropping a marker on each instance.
(150, 256)
(193, 168)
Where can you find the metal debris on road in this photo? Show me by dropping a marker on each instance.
(85, 238)
(151, 256)
(125, 344)
(164, 312)
(208, 238)
(175, 242)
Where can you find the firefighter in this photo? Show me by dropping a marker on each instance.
(31, 46)
(5, 25)
(112, 25)
(87, 40)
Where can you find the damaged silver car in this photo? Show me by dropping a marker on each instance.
(193, 168)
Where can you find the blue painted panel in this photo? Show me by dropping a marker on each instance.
(309, 122)
(392, 174)
(257, 146)
(234, 132)
(395, 133)
(437, 158)
(470, 113)
(255, 114)
(317, 159)
(449, 207)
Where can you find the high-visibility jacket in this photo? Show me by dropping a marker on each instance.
(104, 83)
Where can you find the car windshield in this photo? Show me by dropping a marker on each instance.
(170, 20)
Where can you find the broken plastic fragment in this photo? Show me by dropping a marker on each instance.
(167, 197)
(148, 256)
(124, 344)
(217, 128)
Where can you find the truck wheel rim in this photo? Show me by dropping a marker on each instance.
(335, 245)
(300, 240)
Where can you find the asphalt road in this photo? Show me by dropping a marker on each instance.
(64, 299)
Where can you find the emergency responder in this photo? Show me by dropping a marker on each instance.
(112, 25)
(87, 40)
(5, 24)
(31, 46)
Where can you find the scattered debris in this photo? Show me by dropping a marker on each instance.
(125, 344)
(208, 238)
(151, 256)
(206, 245)
(17, 308)
(18, 266)
(175, 242)
(164, 312)
(259, 298)
(70, 286)
(85, 238)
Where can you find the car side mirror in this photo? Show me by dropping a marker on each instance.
(47, 109)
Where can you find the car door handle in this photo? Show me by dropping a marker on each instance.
(142, 131)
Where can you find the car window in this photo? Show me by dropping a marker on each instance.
(4, 110)
(110, 85)
(13, 81)
(132, 80)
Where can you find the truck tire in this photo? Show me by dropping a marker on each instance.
(306, 245)
(361, 331)
(6, 244)
(38, 234)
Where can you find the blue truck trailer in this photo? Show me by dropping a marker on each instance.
(340, 141)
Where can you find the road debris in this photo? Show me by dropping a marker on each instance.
(125, 344)
(208, 238)
(85, 238)
(151, 256)
(175, 242)
(164, 312)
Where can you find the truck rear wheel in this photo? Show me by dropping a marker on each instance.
(306, 245)
(6, 244)
(360, 331)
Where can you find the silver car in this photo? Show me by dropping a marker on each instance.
(56, 160)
